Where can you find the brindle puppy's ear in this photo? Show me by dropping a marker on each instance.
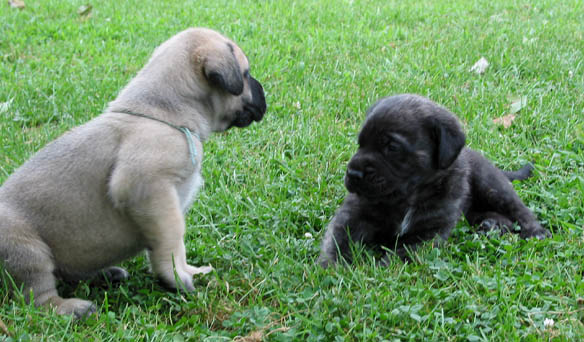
(221, 68)
(448, 137)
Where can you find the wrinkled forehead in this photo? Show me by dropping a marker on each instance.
(239, 55)
(385, 117)
(390, 121)
(219, 41)
(405, 105)
(385, 122)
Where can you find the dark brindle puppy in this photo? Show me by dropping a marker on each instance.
(412, 178)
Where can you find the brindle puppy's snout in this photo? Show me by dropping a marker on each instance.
(353, 173)
(361, 166)
(357, 174)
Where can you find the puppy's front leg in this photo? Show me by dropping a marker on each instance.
(158, 214)
(409, 244)
(335, 241)
(346, 226)
(164, 230)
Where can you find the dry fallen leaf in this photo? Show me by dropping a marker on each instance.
(85, 10)
(500, 17)
(4, 328)
(4, 106)
(16, 4)
(259, 335)
(254, 336)
(505, 120)
(480, 66)
(517, 103)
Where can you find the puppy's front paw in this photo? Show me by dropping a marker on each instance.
(192, 270)
(185, 284)
(535, 231)
(325, 261)
(404, 253)
(182, 282)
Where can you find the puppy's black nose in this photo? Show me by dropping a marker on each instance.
(355, 173)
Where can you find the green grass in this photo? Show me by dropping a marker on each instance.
(322, 63)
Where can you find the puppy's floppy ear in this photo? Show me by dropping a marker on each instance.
(221, 68)
(448, 137)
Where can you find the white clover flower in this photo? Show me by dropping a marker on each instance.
(548, 323)
(308, 235)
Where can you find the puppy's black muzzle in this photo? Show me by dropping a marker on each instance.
(364, 176)
(254, 110)
(355, 175)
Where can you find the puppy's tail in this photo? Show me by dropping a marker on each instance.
(521, 174)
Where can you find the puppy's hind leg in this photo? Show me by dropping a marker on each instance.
(115, 274)
(29, 261)
(492, 191)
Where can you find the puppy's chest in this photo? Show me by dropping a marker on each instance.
(191, 180)
(405, 224)
(188, 189)
(393, 222)
(400, 222)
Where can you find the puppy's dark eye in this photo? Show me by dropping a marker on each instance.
(246, 74)
(393, 146)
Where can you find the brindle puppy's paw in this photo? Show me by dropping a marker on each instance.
(325, 262)
(491, 224)
(535, 230)
(405, 254)
(388, 258)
